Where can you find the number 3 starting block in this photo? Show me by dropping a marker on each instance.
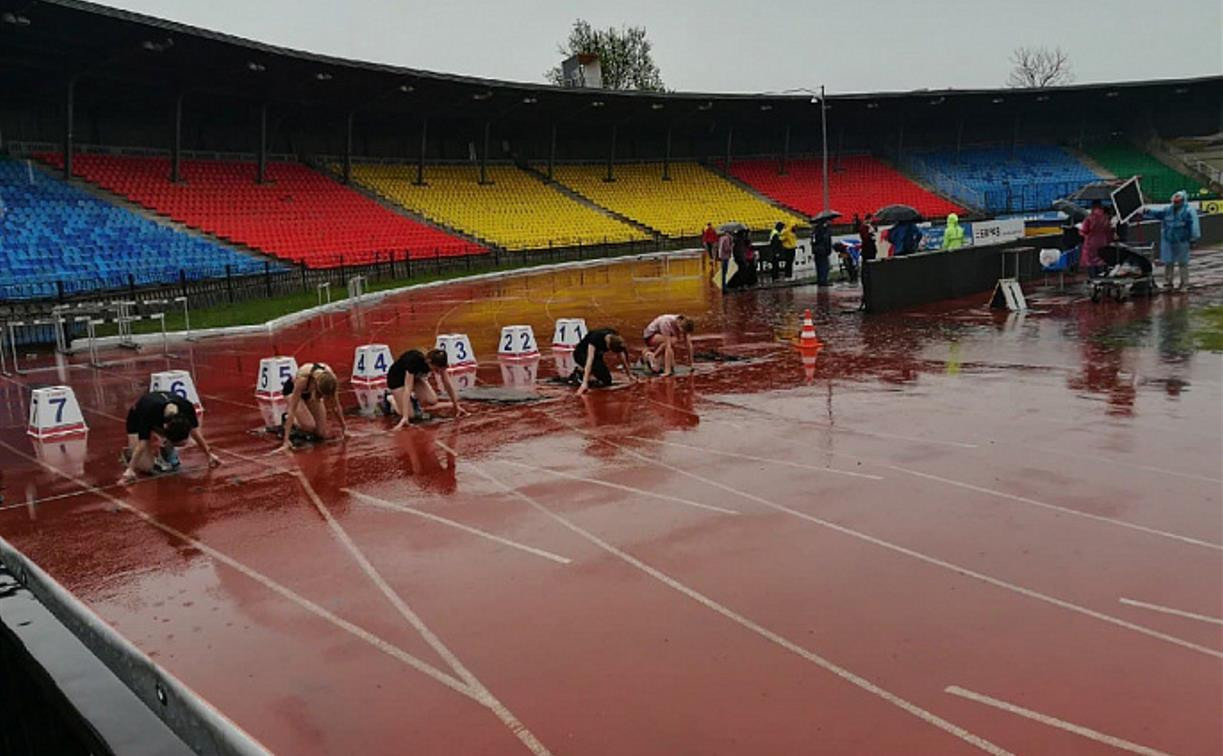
(517, 342)
(54, 412)
(370, 363)
(176, 382)
(273, 372)
(569, 331)
(457, 346)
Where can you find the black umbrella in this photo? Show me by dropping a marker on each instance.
(825, 215)
(730, 228)
(1075, 212)
(1097, 190)
(893, 214)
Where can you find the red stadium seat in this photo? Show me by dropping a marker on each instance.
(299, 215)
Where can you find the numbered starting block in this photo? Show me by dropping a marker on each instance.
(464, 378)
(520, 373)
(370, 363)
(368, 398)
(569, 331)
(272, 411)
(564, 362)
(54, 412)
(457, 347)
(66, 454)
(517, 343)
(273, 372)
(176, 382)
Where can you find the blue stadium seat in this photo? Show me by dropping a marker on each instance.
(997, 180)
(52, 232)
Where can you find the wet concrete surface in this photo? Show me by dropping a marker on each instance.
(776, 555)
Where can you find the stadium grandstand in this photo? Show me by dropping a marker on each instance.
(510, 208)
(295, 213)
(255, 151)
(858, 185)
(677, 206)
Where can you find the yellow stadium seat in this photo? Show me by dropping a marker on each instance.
(516, 211)
(680, 207)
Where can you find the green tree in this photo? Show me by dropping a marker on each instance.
(624, 56)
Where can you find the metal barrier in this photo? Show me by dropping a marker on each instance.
(356, 289)
(324, 287)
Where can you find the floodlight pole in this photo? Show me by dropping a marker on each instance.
(824, 141)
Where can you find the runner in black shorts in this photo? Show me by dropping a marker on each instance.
(588, 354)
(157, 423)
(418, 366)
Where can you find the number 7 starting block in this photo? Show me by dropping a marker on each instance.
(55, 412)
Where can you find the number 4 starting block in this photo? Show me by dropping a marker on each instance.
(176, 382)
(54, 412)
(370, 363)
(569, 331)
(457, 346)
(273, 372)
(517, 342)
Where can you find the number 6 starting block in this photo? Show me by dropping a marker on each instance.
(176, 382)
(54, 412)
(273, 372)
(569, 331)
(457, 346)
(370, 363)
(517, 343)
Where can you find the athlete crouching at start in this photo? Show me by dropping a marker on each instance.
(418, 394)
(662, 336)
(156, 423)
(590, 369)
(311, 392)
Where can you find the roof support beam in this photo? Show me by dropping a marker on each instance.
(666, 161)
(552, 154)
(69, 120)
(785, 152)
(261, 154)
(176, 144)
(348, 148)
(484, 155)
(420, 157)
(730, 138)
(611, 157)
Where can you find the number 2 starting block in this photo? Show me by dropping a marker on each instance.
(176, 382)
(457, 346)
(370, 363)
(55, 412)
(569, 331)
(517, 343)
(273, 372)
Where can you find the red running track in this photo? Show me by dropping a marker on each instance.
(948, 539)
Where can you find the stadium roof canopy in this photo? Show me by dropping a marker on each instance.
(43, 42)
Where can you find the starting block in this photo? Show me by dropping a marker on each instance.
(564, 362)
(569, 331)
(273, 372)
(457, 346)
(464, 378)
(176, 382)
(517, 342)
(55, 412)
(370, 363)
(271, 411)
(368, 398)
(64, 454)
(520, 373)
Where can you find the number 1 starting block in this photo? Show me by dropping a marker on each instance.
(176, 382)
(569, 331)
(517, 343)
(55, 412)
(457, 346)
(273, 372)
(370, 363)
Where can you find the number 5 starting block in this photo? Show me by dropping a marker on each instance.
(370, 363)
(273, 372)
(176, 382)
(54, 412)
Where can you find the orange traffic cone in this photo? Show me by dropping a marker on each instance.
(809, 354)
(807, 339)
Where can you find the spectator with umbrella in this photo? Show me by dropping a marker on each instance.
(904, 235)
(821, 244)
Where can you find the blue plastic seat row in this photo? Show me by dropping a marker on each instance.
(1001, 180)
(53, 234)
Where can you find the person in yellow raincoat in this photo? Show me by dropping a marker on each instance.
(953, 235)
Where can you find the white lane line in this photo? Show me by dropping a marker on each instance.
(387, 648)
(619, 487)
(957, 484)
(966, 572)
(1170, 610)
(384, 504)
(741, 620)
(481, 693)
(750, 458)
(1085, 732)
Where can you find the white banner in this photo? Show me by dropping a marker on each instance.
(996, 232)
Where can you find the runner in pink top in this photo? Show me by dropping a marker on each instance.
(662, 335)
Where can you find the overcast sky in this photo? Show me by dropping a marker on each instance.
(743, 46)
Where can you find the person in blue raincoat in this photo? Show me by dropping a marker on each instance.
(1179, 229)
